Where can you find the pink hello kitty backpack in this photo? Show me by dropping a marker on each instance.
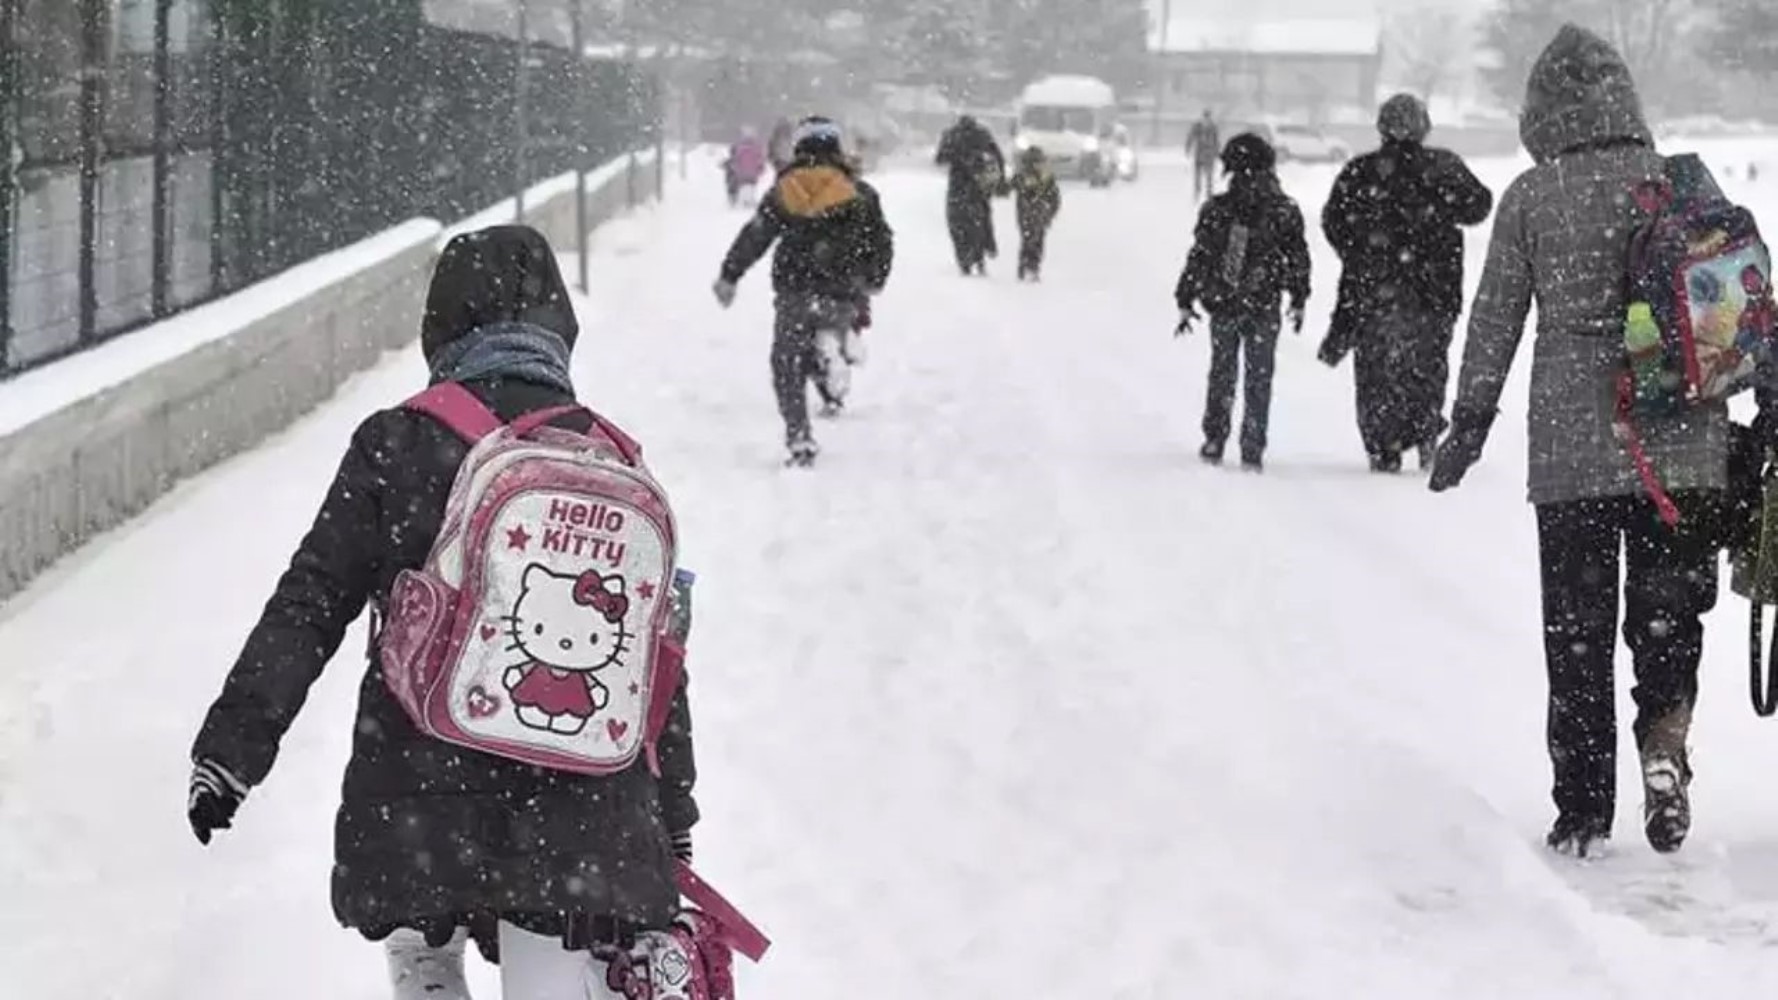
(537, 628)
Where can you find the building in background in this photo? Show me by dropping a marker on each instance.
(1316, 71)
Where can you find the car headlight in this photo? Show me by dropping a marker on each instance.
(1090, 145)
(1021, 143)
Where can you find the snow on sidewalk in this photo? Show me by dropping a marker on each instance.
(1009, 697)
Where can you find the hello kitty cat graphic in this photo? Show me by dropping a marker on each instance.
(569, 628)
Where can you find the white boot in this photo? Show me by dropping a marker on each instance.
(836, 374)
(418, 971)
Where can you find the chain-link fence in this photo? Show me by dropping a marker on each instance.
(164, 152)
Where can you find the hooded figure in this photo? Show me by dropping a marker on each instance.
(1248, 254)
(1561, 238)
(432, 838)
(1394, 218)
(835, 251)
(1037, 199)
(977, 171)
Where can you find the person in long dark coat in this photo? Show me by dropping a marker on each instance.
(433, 839)
(1395, 218)
(977, 171)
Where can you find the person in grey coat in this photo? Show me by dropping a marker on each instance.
(1561, 236)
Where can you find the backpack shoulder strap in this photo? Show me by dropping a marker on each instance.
(626, 446)
(457, 408)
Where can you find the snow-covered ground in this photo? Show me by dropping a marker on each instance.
(1010, 697)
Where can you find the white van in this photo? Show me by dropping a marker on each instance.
(1071, 119)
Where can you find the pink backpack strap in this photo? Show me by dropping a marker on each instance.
(1645, 466)
(738, 932)
(457, 408)
(626, 446)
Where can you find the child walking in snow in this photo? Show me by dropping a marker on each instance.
(1249, 252)
(834, 251)
(435, 842)
(1037, 198)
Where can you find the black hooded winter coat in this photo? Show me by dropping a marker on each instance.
(430, 835)
(1277, 259)
(1394, 218)
(828, 224)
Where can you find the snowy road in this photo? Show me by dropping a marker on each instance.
(1010, 698)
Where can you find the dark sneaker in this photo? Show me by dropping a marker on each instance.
(1387, 464)
(1426, 453)
(802, 452)
(1582, 838)
(1252, 463)
(1211, 452)
(1666, 802)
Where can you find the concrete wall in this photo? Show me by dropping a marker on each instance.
(131, 424)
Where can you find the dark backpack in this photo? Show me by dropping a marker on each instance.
(1241, 262)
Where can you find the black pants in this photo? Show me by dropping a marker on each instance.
(970, 216)
(1032, 237)
(1256, 337)
(1403, 371)
(796, 355)
(1670, 583)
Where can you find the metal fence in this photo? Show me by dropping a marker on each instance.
(165, 152)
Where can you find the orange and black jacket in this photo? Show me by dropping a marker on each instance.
(832, 238)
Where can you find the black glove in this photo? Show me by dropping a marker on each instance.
(1460, 449)
(215, 795)
(682, 846)
(1296, 314)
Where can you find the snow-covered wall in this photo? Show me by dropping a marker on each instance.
(87, 442)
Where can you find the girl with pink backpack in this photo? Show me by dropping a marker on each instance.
(558, 843)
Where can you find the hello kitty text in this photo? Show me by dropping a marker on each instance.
(578, 529)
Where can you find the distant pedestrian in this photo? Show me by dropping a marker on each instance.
(1395, 218)
(1249, 253)
(1037, 198)
(1203, 145)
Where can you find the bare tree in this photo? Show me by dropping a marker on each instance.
(1432, 48)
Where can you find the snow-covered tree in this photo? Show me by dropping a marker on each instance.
(1104, 38)
(1432, 48)
(1654, 36)
(1743, 35)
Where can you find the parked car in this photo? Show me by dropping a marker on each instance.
(1302, 143)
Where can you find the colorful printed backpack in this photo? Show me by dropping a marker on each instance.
(1699, 326)
(538, 627)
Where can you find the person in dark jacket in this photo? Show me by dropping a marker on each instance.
(1561, 239)
(835, 251)
(977, 171)
(1395, 218)
(1249, 252)
(432, 839)
(1038, 199)
(1203, 144)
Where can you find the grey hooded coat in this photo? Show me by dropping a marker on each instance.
(1561, 240)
